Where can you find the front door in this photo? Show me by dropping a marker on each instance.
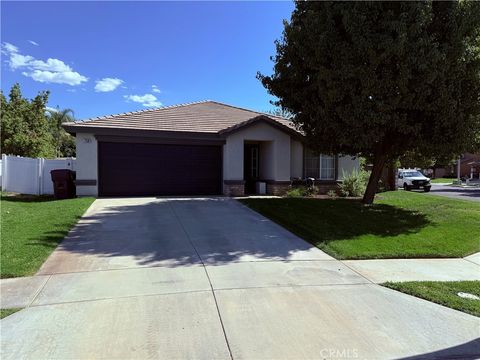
(251, 167)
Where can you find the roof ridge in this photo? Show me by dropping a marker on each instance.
(253, 111)
(144, 110)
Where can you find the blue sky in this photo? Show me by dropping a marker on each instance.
(99, 58)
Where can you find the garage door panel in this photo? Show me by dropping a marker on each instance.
(128, 169)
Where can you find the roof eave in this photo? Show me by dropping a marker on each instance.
(98, 130)
(262, 118)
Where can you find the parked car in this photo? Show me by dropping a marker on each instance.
(413, 179)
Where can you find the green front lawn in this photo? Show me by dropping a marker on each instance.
(32, 226)
(6, 312)
(442, 181)
(399, 225)
(443, 293)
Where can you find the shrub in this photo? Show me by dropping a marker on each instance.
(382, 187)
(311, 190)
(296, 192)
(302, 191)
(332, 194)
(354, 184)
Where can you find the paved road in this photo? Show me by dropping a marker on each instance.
(211, 279)
(471, 193)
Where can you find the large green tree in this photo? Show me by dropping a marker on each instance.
(381, 79)
(424, 161)
(25, 130)
(64, 142)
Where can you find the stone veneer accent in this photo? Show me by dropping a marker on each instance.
(234, 188)
(324, 188)
(277, 188)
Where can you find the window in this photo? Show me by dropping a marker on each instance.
(319, 166)
(327, 168)
(312, 164)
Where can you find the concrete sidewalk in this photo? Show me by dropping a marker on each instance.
(383, 270)
(208, 278)
(26, 291)
(20, 292)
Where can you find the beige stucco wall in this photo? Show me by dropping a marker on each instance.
(274, 155)
(281, 157)
(266, 166)
(296, 159)
(346, 164)
(86, 165)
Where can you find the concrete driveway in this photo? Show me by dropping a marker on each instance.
(211, 279)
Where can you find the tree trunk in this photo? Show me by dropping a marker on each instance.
(391, 176)
(378, 165)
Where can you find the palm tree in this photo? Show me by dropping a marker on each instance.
(280, 112)
(56, 118)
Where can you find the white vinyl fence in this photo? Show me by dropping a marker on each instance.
(30, 176)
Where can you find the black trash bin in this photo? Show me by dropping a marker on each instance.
(63, 183)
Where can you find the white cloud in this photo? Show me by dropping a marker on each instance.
(107, 84)
(50, 71)
(33, 42)
(66, 77)
(50, 65)
(8, 48)
(17, 60)
(147, 100)
(155, 89)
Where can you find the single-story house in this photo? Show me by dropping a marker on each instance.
(201, 148)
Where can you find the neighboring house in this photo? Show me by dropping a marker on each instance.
(469, 167)
(202, 148)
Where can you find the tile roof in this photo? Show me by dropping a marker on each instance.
(202, 117)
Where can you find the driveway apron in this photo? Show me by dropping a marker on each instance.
(207, 278)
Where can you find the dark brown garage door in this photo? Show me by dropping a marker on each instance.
(128, 169)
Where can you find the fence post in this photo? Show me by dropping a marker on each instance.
(40, 176)
(4, 172)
